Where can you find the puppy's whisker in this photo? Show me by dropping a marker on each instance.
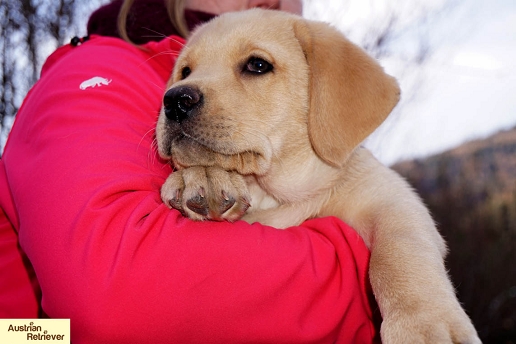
(151, 155)
(150, 131)
(171, 52)
(158, 34)
(161, 35)
(168, 52)
(152, 152)
(160, 87)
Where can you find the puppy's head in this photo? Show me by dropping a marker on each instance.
(257, 88)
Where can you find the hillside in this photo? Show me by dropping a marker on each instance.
(471, 191)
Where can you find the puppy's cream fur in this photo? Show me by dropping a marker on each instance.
(288, 142)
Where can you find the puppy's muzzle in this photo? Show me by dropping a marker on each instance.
(182, 102)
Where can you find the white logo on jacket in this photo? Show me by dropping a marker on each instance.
(95, 81)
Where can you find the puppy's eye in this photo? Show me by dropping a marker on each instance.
(185, 72)
(258, 66)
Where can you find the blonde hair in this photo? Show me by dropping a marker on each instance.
(175, 9)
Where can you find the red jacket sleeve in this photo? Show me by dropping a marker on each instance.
(19, 290)
(82, 168)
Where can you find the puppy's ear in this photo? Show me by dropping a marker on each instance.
(350, 94)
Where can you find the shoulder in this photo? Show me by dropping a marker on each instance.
(115, 53)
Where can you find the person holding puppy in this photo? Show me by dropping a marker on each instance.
(86, 236)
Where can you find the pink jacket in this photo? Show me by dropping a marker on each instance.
(79, 189)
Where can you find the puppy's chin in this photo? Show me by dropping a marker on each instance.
(186, 152)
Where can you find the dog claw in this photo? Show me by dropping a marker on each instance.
(246, 202)
(175, 202)
(227, 203)
(225, 195)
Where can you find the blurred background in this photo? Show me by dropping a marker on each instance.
(453, 135)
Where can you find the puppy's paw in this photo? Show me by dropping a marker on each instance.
(207, 193)
(444, 325)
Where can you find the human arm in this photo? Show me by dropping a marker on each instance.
(85, 180)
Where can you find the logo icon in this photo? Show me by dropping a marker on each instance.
(95, 81)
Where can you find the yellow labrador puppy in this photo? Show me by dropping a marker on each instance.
(269, 110)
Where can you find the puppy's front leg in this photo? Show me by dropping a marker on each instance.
(281, 217)
(407, 272)
(206, 193)
(270, 212)
(409, 279)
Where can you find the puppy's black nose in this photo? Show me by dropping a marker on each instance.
(180, 102)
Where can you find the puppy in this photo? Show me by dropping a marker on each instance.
(267, 109)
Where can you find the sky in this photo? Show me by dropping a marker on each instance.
(465, 90)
